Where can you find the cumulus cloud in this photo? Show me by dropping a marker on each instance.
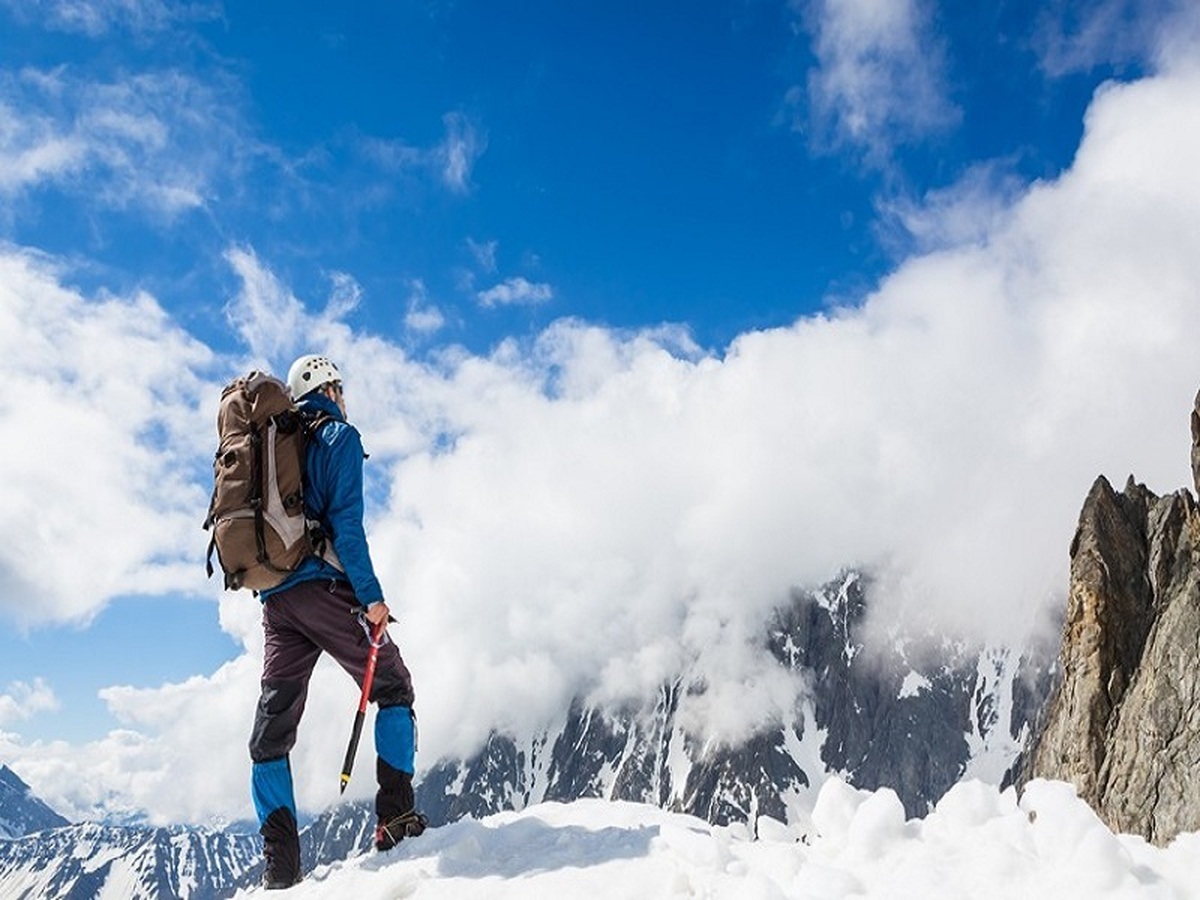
(422, 317)
(963, 213)
(593, 511)
(598, 511)
(101, 403)
(180, 747)
(21, 700)
(879, 76)
(516, 291)
(609, 512)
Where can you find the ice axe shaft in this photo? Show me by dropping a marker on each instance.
(363, 700)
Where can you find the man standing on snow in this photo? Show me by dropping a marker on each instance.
(330, 603)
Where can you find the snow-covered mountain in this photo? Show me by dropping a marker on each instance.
(878, 718)
(21, 813)
(90, 860)
(875, 718)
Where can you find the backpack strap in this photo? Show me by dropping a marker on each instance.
(311, 424)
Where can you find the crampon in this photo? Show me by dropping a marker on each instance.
(410, 824)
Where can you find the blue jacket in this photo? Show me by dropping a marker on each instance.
(333, 496)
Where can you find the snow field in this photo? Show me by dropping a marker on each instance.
(979, 843)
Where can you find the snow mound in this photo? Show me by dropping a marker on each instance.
(979, 842)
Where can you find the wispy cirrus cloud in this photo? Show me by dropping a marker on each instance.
(449, 162)
(170, 140)
(154, 141)
(465, 142)
(97, 18)
(879, 77)
(1077, 37)
(484, 253)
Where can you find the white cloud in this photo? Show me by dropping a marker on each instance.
(167, 142)
(1178, 36)
(609, 512)
(422, 317)
(184, 745)
(879, 78)
(153, 141)
(32, 150)
(516, 291)
(266, 314)
(449, 162)
(1077, 37)
(484, 253)
(392, 156)
(458, 153)
(345, 295)
(97, 18)
(961, 214)
(21, 700)
(101, 403)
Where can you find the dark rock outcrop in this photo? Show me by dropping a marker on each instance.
(22, 813)
(1123, 724)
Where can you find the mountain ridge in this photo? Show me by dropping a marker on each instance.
(871, 717)
(22, 813)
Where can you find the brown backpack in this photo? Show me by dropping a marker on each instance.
(259, 529)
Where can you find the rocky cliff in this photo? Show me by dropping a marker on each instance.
(1123, 723)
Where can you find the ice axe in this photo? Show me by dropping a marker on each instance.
(376, 641)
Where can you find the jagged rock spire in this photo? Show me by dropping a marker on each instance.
(1124, 723)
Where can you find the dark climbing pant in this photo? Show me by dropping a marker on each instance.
(300, 624)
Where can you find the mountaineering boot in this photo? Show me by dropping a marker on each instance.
(281, 849)
(391, 832)
(394, 807)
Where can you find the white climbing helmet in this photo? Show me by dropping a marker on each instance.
(310, 372)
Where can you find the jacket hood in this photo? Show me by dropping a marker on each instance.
(317, 402)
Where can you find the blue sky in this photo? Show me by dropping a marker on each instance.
(646, 163)
(760, 265)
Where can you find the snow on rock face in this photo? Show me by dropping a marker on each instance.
(914, 683)
(875, 717)
(978, 842)
(21, 813)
